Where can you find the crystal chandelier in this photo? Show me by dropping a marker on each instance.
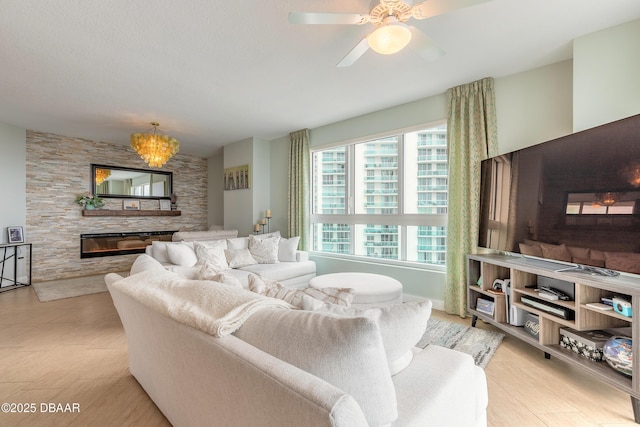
(154, 148)
(101, 175)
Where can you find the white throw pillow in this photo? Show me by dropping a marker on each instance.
(212, 252)
(182, 254)
(159, 250)
(299, 297)
(264, 251)
(192, 273)
(287, 249)
(238, 243)
(237, 258)
(401, 326)
(145, 263)
(266, 235)
(346, 352)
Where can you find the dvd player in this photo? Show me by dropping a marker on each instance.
(547, 307)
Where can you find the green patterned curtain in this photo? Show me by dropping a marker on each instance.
(299, 175)
(472, 136)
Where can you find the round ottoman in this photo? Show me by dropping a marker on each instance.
(370, 290)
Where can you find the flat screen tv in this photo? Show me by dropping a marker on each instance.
(575, 199)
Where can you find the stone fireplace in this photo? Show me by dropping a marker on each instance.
(110, 244)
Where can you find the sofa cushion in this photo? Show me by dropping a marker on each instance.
(237, 258)
(531, 250)
(345, 352)
(287, 249)
(145, 263)
(182, 254)
(192, 273)
(273, 289)
(623, 261)
(213, 252)
(556, 252)
(264, 250)
(401, 326)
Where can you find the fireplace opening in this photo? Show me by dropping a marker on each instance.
(110, 244)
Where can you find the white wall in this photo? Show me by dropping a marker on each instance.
(215, 189)
(261, 180)
(238, 204)
(606, 75)
(13, 175)
(534, 106)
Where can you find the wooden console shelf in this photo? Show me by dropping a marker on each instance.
(588, 288)
(113, 212)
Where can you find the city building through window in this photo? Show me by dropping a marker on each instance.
(383, 198)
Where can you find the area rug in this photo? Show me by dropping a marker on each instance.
(68, 288)
(479, 343)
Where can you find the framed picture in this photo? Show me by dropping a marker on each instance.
(15, 234)
(165, 204)
(237, 178)
(131, 205)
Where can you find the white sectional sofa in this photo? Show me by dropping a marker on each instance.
(291, 267)
(279, 365)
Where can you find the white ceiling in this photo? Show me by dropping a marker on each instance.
(217, 72)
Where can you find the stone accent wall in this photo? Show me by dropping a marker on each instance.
(58, 169)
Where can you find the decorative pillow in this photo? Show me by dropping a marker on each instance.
(579, 252)
(532, 250)
(264, 250)
(557, 252)
(273, 289)
(238, 243)
(182, 254)
(401, 326)
(159, 250)
(212, 252)
(345, 352)
(145, 263)
(237, 258)
(266, 235)
(287, 249)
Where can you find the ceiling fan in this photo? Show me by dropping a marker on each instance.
(391, 34)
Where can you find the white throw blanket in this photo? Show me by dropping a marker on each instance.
(212, 307)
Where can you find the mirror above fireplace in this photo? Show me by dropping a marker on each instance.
(119, 182)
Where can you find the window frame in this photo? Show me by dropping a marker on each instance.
(400, 219)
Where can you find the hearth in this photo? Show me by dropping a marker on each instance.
(110, 244)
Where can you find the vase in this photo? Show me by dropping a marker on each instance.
(89, 207)
(619, 355)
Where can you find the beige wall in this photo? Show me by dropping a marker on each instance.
(58, 168)
(606, 76)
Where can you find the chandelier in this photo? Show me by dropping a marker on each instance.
(101, 175)
(154, 148)
(608, 198)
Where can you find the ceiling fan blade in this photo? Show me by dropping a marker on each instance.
(327, 18)
(430, 8)
(354, 54)
(424, 46)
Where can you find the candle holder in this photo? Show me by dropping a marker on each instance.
(268, 224)
(262, 227)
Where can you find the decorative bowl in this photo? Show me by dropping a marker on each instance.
(618, 353)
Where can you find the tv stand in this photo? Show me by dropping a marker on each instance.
(588, 287)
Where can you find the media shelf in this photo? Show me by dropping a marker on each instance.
(588, 288)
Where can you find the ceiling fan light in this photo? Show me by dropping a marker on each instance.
(389, 38)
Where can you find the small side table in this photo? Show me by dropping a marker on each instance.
(9, 258)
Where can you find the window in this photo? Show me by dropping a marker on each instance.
(384, 198)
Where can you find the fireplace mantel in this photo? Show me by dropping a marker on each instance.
(113, 212)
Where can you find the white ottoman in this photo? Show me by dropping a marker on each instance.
(370, 290)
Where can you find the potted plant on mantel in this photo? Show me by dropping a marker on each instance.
(89, 201)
